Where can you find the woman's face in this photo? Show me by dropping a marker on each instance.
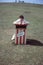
(21, 19)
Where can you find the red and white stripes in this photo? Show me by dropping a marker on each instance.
(20, 36)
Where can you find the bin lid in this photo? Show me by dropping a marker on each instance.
(18, 22)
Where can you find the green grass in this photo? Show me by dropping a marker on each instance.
(21, 54)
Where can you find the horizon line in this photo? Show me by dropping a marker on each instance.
(21, 2)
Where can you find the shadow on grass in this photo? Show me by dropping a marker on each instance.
(31, 42)
(34, 42)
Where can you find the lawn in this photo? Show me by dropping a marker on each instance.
(31, 54)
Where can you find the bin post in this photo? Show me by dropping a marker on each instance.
(20, 35)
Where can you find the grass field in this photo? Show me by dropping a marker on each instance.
(31, 54)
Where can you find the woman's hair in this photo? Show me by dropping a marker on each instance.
(21, 16)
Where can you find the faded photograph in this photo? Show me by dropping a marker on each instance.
(21, 32)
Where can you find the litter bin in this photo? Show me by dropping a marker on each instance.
(20, 34)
